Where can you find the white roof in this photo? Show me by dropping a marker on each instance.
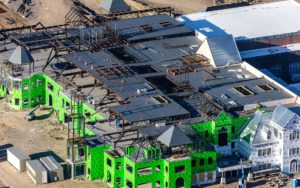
(270, 51)
(248, 22)
(220, 50)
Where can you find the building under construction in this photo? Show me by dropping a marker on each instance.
(129, 85)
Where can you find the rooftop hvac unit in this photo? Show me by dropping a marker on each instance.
(141, 91)
(160, 124)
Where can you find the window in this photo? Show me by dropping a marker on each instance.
(39, 98)
(276, 133)
(50, 86)
(118, 180)
(210, 160)
(25, 102)
(158, 168)
(166, 184)
(118, 165)
(206, 133)
(269, 135)
(108, 162)
(259, 152)
(264, 152)
(145, 171)
(193, 163)
(210, 176)
(233, 129)
(89, 171)
(17, 84)
(201, 162)
(25, 87)
(294, 135)
(223, 137)
(179, 169)
(232, 145)
(17, 102)
(86, 113)
(202, 177)
(294, 68)
(280, 135)
(63, 103)
(67, 105)
(269, 151)
(294, 151)
(157, 184)
(129, 183)
(276, 70)
(166, 169)
(129, 168)
(38, 82)
(81, 152)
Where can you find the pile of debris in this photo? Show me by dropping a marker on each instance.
(25, 8)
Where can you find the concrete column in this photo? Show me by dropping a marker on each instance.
(223, 179)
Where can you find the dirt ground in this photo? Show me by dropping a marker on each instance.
(10, 19)
(52, 12)
(36, 138)
(48, 12)
(182, 6)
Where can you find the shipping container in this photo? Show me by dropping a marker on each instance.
(17, 158)
(55, 170)
(37, 172)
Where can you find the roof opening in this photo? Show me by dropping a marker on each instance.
(244, 90)
(144, 69)
(166, 24)
(265, 87)
(162, 83)
(147, 27)
(123, 55)
(161, 99)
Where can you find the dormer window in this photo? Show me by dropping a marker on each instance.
(269, 135)
(294, 135)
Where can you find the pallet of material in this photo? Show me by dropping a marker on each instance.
(17, 158)
(37, 172)
(55, 170)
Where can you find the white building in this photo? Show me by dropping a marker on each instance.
(258, 33)
(272, 139)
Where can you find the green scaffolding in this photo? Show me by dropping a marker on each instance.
(119, 171)
(40, 89)
(209, 130)
(123, 171)
(95, 162)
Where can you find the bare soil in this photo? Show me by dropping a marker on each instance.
(36, 138)
(10, 19)
(182, 6)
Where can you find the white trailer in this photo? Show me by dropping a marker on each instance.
(37, 172)
(17, 158)
(55, 170)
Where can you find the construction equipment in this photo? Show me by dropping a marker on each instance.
(44, 112)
